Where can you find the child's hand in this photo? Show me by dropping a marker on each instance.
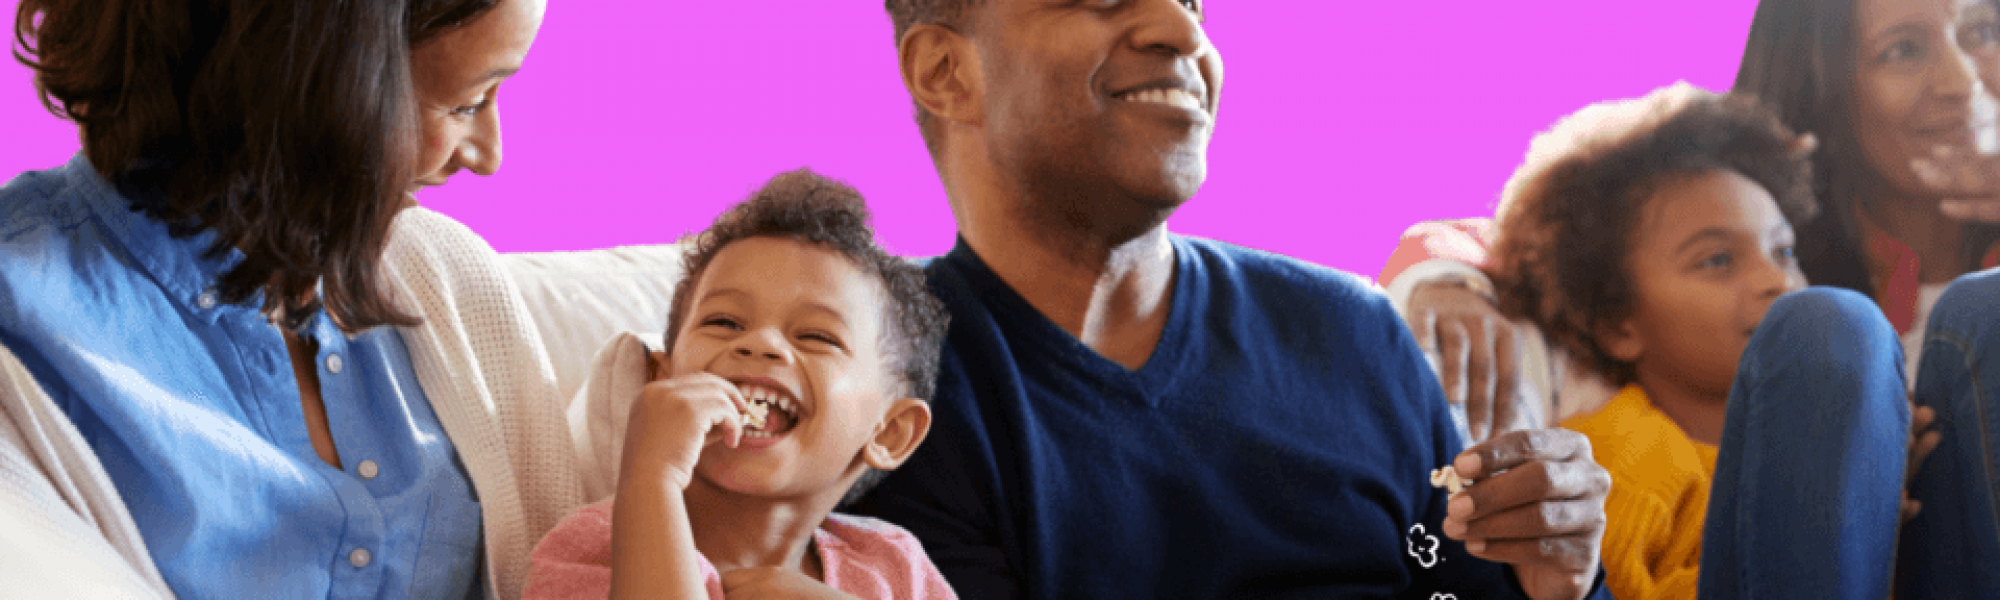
(674, 420)
(773, 582)
(1922, 441)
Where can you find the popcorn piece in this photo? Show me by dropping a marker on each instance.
(1447, 478)
(756, 414)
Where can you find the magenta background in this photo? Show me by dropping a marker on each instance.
(1342, 122)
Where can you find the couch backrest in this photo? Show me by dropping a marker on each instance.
(580, 300)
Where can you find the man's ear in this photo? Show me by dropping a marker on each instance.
(941, 70)
(899, 433)
(1622, 340)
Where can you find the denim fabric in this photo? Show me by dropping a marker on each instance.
(1952, 548)
(1809, 476)
(191, 405)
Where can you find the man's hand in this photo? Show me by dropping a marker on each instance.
(1474, 351)
(674, 420)
(773, 582)
(1537, 504)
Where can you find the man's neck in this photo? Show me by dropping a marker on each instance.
(734, 531)
(1111, 290)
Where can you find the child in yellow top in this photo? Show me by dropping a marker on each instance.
(1648, 237)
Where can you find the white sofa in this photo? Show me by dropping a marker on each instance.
(580, 300)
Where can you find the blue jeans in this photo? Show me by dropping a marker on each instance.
(1809, 477)
(1952, 548)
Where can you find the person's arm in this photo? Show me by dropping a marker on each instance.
(482, 365)
(1495, 370)
(1536, 504)
(1507, 546)
(64, 531)
(574, 560)
(652, 544)
(1427, 250)
(1638, 541)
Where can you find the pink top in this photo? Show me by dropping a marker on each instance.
(866, 557)
(1469, 241)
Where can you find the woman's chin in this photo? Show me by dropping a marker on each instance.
(427, 182)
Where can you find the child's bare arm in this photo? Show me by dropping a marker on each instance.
(652, 545)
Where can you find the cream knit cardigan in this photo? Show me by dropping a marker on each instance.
(64, 532)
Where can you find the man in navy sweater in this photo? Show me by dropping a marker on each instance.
(1123, 412)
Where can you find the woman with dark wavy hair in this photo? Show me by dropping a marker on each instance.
(1898, 93)
(200, 299)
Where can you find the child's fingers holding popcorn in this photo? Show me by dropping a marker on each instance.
(675, 419)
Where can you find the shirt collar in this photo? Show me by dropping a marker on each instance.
(1895, 273)
(181, 266)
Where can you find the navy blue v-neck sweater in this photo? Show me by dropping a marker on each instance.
(1277, 443)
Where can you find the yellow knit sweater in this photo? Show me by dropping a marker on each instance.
(1659, 496)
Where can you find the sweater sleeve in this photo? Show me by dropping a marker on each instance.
(1440, 567)
(1640, 541)
(64, 532)
(481, 362)
(574, 560)
(1466, 241)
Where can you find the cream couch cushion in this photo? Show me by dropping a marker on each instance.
(581, 300)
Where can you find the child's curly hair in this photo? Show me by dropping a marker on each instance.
(1567, 216)
(803, 206)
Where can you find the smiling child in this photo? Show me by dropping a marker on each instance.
(792, 313)
(1649, 237)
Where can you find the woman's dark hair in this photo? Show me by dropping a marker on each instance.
(286, 126)
(1799, 61)
(1569, 214)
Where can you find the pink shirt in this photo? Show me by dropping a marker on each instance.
(1469, 240)
(866, 557)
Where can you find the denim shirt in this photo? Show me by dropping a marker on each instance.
(193, 409)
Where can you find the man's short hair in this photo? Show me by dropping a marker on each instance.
(1568, 215)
